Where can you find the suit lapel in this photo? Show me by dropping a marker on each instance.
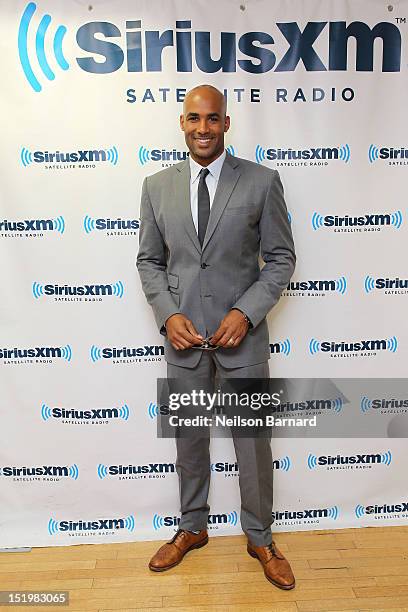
(227, 181)
(182, 200)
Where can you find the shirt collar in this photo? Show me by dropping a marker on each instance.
(214, 168)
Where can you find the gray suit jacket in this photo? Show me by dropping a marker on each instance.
(248, 218)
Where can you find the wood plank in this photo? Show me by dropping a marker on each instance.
(372, 603)
(272, 595)
(277, 607)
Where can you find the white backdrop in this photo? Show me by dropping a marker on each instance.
(89, 79)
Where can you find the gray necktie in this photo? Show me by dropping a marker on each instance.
(203, 205)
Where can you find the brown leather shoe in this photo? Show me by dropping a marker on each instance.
(171, 553)
(276, 568)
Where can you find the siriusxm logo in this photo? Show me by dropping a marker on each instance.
(310, 515)
(378, 153)
(85, 417)
(388, 285)
(281, 348)
(167, 155)
(314, 287)
(34, 225)
(313, 156)
(41, 472)
(161, 155)
(367, 222)
(38, 353)
(214, 520)
(127, 355)
(143, 50)
(127, 472)
(81, 157)
(311, 405)
(384, 509)
(232, 469)
(386, 344)
(102, 525)
(99, 291)
(333, 462)
(384, 405)
(110, 226)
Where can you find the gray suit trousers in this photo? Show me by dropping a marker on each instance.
(253, 455)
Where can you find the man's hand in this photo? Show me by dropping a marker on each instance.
(181, 332)
(231, 330)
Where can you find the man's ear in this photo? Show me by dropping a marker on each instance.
(182, 122)
(227, 123)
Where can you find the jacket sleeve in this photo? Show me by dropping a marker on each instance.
(278, 253)
(152, 263)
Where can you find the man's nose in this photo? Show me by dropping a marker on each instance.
(203, 126)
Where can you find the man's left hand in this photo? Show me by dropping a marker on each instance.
(231, 330)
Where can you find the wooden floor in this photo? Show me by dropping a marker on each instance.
(350, 569)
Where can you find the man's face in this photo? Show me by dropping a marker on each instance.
(204, 124)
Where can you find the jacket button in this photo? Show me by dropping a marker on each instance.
(204, 266)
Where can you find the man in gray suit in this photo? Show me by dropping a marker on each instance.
(204, 223)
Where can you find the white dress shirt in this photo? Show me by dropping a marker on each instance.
(211, 182)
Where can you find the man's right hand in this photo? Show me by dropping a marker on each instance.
(181, 332)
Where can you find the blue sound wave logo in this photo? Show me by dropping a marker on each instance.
(59, 224)
(39, 47)
(153, 410)
(341, 285)
(365, 404)
(89, 224)
(373, 153)
(112, 155)
(359, 511)
(26, 157)
(314, 346)
(260, 154)
(230, 149)
(144, 155)
(317, 220)
(124, 412)
(311, 461)
(130, 523)
(232, 518)
(95, 353)
(66, 352)
(333, 513)
(53, 526)
(289, 217)
(392, 344)
(369, 284)
(285, 464)
(285, 347)
(158, 522)
(46, 412)
(396, 219)
(337, 404)
(344, 153)
(73, 471)
(386, 458)
(102, 471)
(38, 290)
